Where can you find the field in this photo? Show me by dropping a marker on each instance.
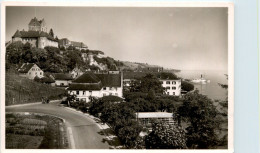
(20, 90)
(33, 131)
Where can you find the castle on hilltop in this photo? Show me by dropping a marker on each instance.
(36, 35)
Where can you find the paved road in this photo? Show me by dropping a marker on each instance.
(84, 130)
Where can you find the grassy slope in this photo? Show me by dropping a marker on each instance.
(19, 90)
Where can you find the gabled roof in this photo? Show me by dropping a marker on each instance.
(17, 34)
(62, 76)
(34, 22)
(87, 77)
(25, 67)
(82, 86)
(32, 34)
(110, 80)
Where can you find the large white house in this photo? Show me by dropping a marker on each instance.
(96, 85)
(30, 70)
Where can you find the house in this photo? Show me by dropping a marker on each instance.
(37, 35)
(146, 118)
(61, 79)
(30, 71)
(96, 85)
(76, 72)
(170, 82)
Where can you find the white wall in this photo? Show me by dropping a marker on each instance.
(115, 91)
(34, 71)
(173, 88)
(62, 82)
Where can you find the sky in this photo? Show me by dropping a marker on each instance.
(178, 38)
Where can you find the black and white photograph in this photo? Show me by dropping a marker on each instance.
(118, 77)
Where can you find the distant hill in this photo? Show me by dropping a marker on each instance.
(133, 66)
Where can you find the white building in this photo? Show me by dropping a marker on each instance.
(96, 85)
(61, 79)
(172, 86)
(30, 70)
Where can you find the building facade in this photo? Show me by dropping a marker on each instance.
(30, 71)
(36, 35)
(65, 42)
(96, 85)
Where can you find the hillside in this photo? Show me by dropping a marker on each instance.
(19, 90)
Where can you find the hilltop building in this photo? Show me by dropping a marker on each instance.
(65, 42)
(36, 35)
(30, 71)
(96, 85)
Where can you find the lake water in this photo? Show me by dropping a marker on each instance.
(211, 89)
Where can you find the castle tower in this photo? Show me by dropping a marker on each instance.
(37, 25)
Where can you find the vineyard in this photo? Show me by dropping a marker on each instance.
(32, 131)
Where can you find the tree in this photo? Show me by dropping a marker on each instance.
(187, 86)
(51, 33)
(150, 82)
(200, 112)
(166, 136)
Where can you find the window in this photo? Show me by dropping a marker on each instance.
(104, 94)
(173, 93)
(32, 69)
(110, 94)
(29, 73)
(110, 88)
(62, 84)
(90, 92)
(168, 82)
(77, 92)
(83, 92)
(104, 88)
(173, 82)
(40, 73)
(174, 88)
(168, 88)
(168, 93)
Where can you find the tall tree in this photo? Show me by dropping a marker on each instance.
(200, 112)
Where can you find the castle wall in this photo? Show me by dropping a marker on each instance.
(43, 42)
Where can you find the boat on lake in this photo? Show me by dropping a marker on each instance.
(200, 80)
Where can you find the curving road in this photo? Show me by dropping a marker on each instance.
(84, 130)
